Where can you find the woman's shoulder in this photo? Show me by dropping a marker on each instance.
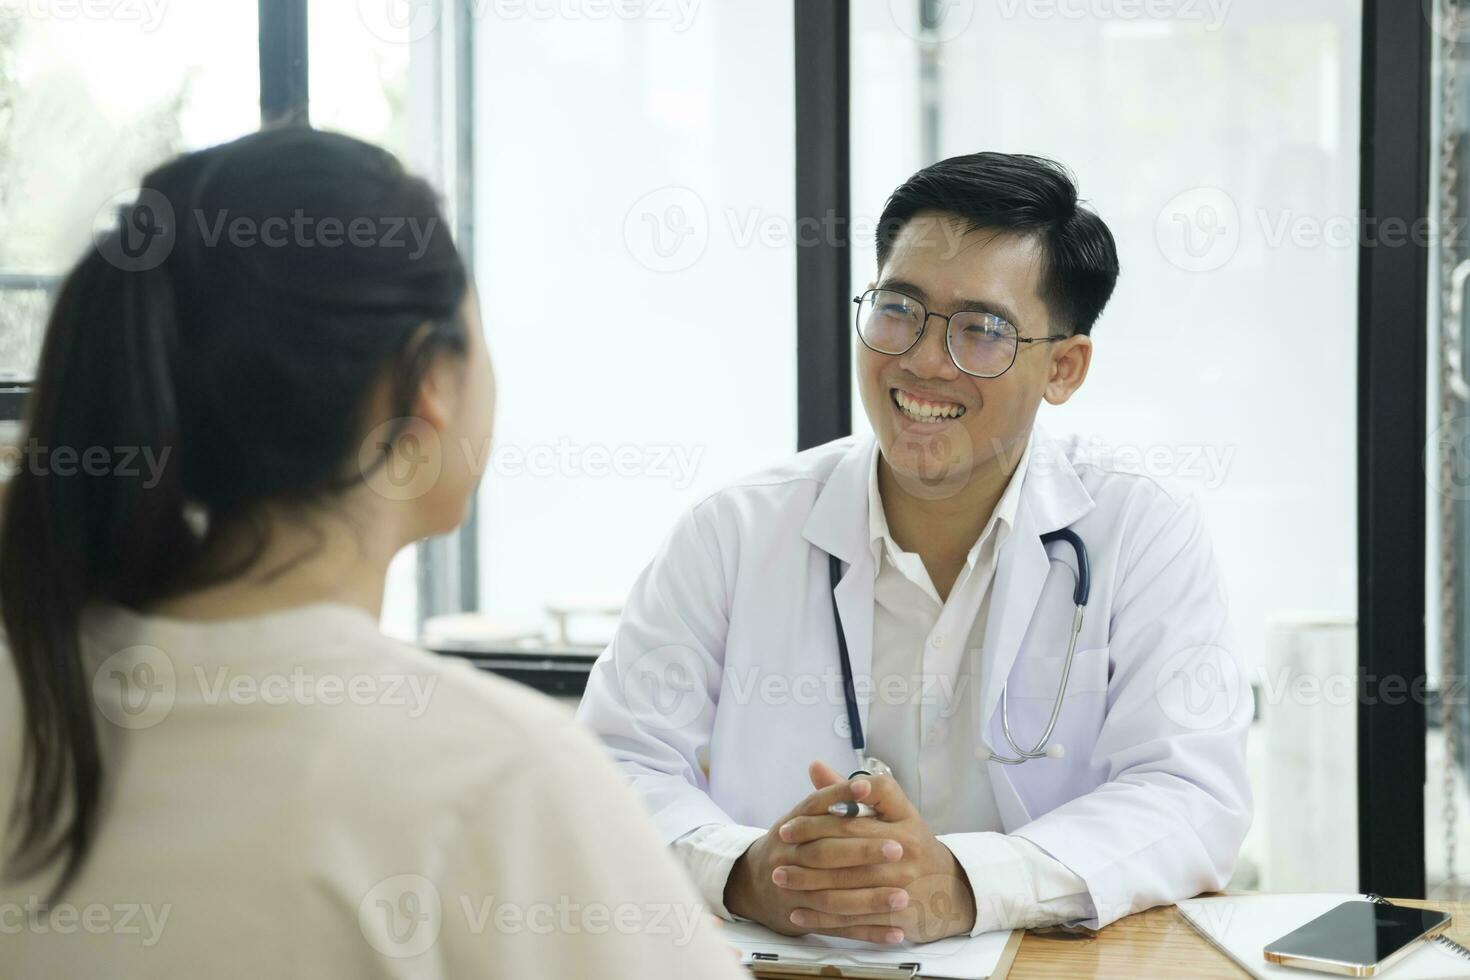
(444, 699)
(458, 743)
(360, 708)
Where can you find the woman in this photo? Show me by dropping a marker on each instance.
(253, 393)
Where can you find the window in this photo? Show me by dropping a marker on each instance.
(635, 254)
(359, 56)
(91, 98)
(1226, 360)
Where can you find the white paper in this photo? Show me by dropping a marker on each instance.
(957, 958)
(1243, 926)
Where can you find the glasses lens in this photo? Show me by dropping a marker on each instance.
(982, 344)
(889, 322)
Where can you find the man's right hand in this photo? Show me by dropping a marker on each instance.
(752, 892)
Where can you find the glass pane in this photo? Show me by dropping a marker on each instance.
(94, 102)
(24, 301)
(636, 261)
(400, 616)
(1232, 197)
(92, 96)
(359, 66)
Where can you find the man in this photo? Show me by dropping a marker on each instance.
(1043, 769)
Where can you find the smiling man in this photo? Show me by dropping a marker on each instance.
(1015, 658)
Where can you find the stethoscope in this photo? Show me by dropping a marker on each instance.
(869, 766)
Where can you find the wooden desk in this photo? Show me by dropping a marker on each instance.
(1156, 943)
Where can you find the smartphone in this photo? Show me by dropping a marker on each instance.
(1356, 939)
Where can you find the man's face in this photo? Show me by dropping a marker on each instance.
(948, 268)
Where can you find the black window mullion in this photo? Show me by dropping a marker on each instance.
(823, 269)
(283, 64)
(1392, 357)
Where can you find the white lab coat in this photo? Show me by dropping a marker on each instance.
(726, 661)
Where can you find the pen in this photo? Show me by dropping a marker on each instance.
(851, 810)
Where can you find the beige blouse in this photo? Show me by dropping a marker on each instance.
(295, 795)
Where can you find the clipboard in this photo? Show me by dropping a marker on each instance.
(769, 966)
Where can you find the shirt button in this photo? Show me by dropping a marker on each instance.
(937, 641)
(935, 735)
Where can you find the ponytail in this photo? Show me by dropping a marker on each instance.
(106, 389)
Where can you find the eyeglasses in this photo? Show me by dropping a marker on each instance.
(980, 344)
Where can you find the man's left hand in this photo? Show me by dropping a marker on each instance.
(940, 901)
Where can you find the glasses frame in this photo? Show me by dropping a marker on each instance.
(924, 325)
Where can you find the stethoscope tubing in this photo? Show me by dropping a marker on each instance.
(849, 690)
(1080, 593)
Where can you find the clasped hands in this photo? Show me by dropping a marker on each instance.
(883, 879)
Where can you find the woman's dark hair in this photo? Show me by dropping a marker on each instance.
(1016, 192)
(233, 325)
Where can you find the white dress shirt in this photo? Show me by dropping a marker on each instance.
(927, 660)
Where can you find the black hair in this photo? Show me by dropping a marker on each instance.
(1021, 193)
(234, 324)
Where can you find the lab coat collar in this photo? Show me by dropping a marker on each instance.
(838, 522)
(1050, 496)
(1053, 492)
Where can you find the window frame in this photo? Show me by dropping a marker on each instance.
(1393, 353)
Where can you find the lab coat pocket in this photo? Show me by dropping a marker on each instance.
(1039, 677)
(1033, 689)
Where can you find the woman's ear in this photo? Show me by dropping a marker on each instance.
(439, 393)
(403, 457)
(1069, 363)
